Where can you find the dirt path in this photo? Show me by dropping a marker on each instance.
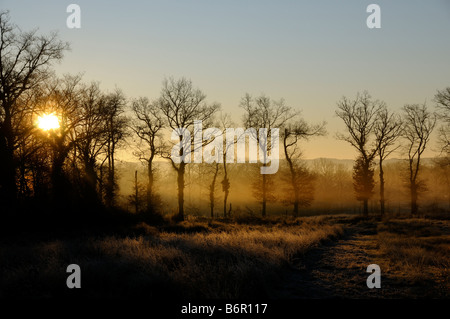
(338, 269)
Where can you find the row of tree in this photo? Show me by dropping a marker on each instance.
(373, 131)
(180, 105)
(76, 162)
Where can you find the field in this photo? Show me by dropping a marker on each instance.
(418, 256)
(279, 258)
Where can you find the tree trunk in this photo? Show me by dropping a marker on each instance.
(58, 181)
(23, 187)
(91, 196)
(101, 186)
(264, 199)
(382, 200)
(149, 185)
(212, 188)
(180, 181)
(366, 208)
(112, 179)
(296, 208)
(136, 193)
(414, 206)
(294, 186)
(211, 206)
(225, 188)
(225, 199)
(7, 164)
(293, 174)
(111, 182)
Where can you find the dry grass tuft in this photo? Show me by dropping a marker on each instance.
(419, 252)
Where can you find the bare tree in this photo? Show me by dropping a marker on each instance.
(61, 96)
(387, 130)
(137, 198)
(360, 116)
(25, 58)
(91, 138)
(418, 126)
(442, 98)
(147, 125)
(31, 152)
(226, 122)
(91, 125)
(363, 182)
(115, 131)
(443, 104)
(182, 104)
(263, 113)
(212, 189)
(300, 178)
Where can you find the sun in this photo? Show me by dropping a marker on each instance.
(48, 122)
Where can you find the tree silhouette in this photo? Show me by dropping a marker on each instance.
(418, 126)
(387, 130)
(360, 118)
(363, 182)
(115, 124)
(212, 188)
(147, 125)
(228, 146)
(25, 58)
(137, 199)
(262, 112)
(31, 154)
(91, 139)
(443, 104)
(61, 96)
(181, 105)
(301, 192)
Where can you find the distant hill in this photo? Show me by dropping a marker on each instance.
(131, 166)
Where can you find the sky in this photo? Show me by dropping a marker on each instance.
(311, 53)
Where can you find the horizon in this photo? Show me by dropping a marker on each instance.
(160, 159)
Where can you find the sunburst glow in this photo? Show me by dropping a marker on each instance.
(48, 122)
